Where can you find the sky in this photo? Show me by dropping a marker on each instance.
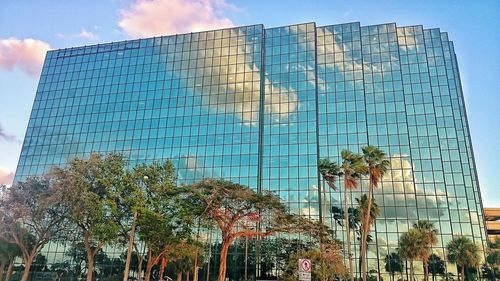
(29, 28)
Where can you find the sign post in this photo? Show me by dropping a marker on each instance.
(305, 270)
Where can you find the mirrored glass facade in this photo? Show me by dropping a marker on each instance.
(260, 107)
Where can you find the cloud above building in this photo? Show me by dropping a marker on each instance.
(146, 18)
(26, 55)
(83, 34)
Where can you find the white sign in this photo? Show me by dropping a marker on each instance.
(305, 276)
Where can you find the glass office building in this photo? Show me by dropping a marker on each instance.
(260, 106)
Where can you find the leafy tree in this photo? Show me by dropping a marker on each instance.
(332, 269)
(394, 264)
(165, 213)
(78, 256)
(61, 269)
(235, 209)
(493, 260)
(493, 257)
(410, 247)
(377, 166)
(436, 266)
(93, 186)
(448, 276)
(8, 253)
(429, 233)
(183, 257)
(494, 245)
(464, 253)
(39, 264)
(33, 214)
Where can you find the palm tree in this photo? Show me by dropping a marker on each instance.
(330, 172)
(493, 260)
(410, 246)
(352, 168)
(373, 212)
(493, 257)
(429, 233)
(377, 166)
(464, 253)
(436, 266)
(393, 264)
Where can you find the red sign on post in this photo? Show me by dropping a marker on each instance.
(304, 270)
(304, 265)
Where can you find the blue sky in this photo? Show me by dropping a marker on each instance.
(29, 28)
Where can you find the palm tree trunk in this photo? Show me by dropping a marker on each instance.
(28, 261)
(179, 276)
(426, 270)
(226, 242)
(411, 271)
(365, 230)
(462, 273)
(187, 276)
(9, 270)
(130, 246)
(348, 231)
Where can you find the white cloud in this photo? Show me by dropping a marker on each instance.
(86, 35)
(26, 55)
(163, 17)
(83, 34)
(6, 176)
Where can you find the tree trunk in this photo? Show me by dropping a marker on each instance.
(149, 266)
(195, 272)
(426, 270)
(226, 242)
(365, 230)
(90, 266)
(139, 267)
(187, 276)
(130, 246)
(462, 273)
(9, 270)
(411, 271)
(27, 267)
(2, 265)
(348, 231)
(179, 276)
(162, 267)
(363, 256)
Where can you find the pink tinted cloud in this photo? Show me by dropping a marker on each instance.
(26, 55)
(164, 17)
(6, 176)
